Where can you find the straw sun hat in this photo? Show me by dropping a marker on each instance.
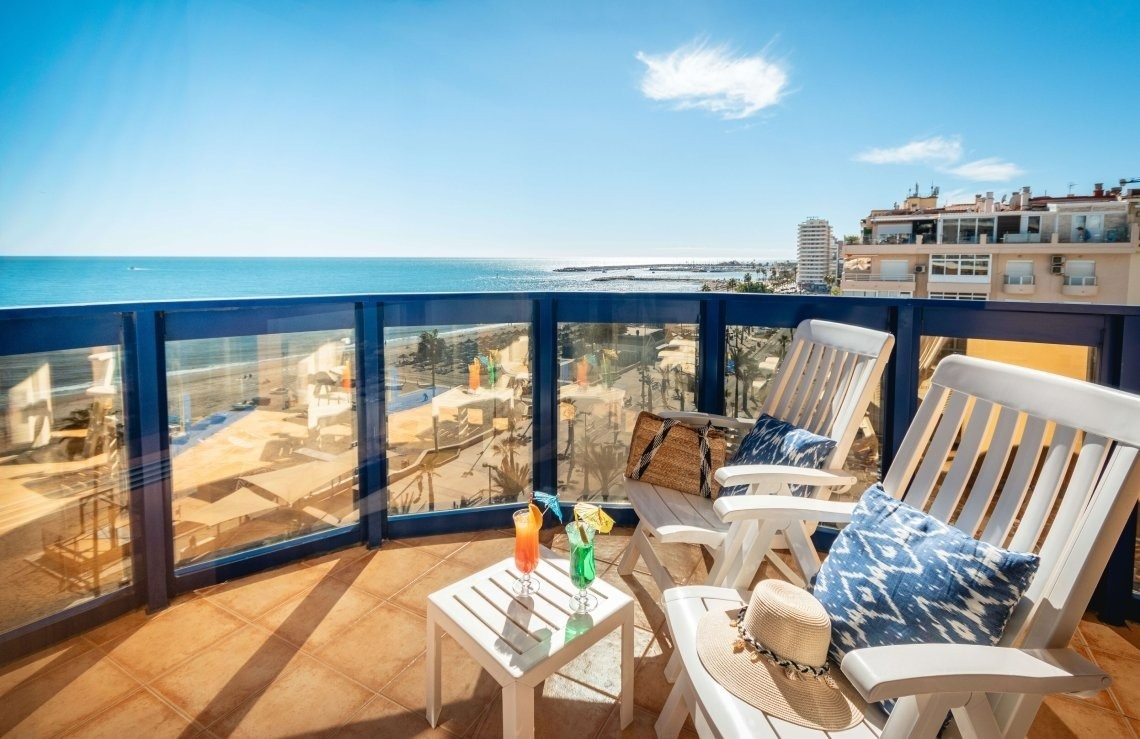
(773, 655)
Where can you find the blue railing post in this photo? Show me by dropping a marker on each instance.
(144, 373)
(371, 421)
(545, 395)
(711, 362)
(900, 394)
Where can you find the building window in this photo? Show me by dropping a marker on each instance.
(960, 267)
(1080, 272)
(1019, 272)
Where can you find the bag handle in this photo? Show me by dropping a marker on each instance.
(651, 450)
(659, 438)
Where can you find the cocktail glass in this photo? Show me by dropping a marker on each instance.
(582, 568)
(526, 550)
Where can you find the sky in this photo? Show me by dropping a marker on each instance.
(655, 130)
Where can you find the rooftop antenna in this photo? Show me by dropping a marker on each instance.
(1071, 186)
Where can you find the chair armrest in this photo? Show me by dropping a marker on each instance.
(732, 508)
(881, 673)
(776, 474)
(696, 418)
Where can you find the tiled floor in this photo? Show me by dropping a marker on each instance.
(335, 646)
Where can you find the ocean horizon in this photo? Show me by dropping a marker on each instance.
(44, 281)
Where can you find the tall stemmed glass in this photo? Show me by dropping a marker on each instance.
(526, 549)
(582, 567)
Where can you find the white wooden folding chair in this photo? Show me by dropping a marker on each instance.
(824, 384)
(1017, 458)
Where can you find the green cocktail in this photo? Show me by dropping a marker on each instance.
(582, 567)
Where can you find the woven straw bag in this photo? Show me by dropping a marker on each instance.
(666, 452)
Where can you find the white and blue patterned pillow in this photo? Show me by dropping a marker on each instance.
(772, 441)
(895, 575)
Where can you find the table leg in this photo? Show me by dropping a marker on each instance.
(627, 668)
(434, 697)
(518, 710)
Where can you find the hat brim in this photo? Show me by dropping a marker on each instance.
(806, 701)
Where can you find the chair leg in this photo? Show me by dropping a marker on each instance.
(673, 713)
(673, 667)
(629, 559)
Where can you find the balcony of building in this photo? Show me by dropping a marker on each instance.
(878, 281)
(1019, 284)
(1079, 286)
(268, 489)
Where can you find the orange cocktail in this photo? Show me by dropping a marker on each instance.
(527, 525)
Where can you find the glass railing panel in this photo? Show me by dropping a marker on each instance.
(262, 433)
(607, 374)
(65, 534)
(753, 354)
(459, 424)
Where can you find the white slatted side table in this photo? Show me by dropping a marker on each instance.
(520, 640)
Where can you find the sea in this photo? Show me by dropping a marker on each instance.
(39, 281)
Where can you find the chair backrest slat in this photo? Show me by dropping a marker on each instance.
(937, 452)
(1017, 481)
(965, 459)
(989, 478)
(817, 415)
(785, 385)
(801, 404)
(1045, 490)
(910, 452)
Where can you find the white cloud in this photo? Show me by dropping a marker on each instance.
(991, 169)
(936, 149)
(713, 79)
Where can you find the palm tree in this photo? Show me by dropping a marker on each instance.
(429, 468)
(431, 351)
(513, 479)
(606, 461)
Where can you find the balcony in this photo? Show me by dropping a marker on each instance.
(152, 452)
(878, 282)
(1019, 284)
(1079, 286)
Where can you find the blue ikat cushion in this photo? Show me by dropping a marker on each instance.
(772, 441)
(895, 575)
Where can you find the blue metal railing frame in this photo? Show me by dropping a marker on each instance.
(142, 329)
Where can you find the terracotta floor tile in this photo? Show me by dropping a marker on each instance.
(54, 700)
(1125, 686)
(288, 707)
(466, 688)
(216, 681)
(315, 617)
(441, 546)
(339, 558)
(600, 665)
(414, 597)
(383, 572)
(650, 686)
(382, 717)
(610, 547)
(640, 586)
(486, 550)
(171, 637)
(1123, 640)
(251, 597)
(1063, 718)
(642, 726)
(141, 714)
(27, 668)
(377, 647)
(565, 709)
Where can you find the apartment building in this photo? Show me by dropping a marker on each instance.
(815, 254)
(1074, 248)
